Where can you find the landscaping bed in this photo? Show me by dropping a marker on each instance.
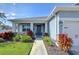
(52, 49)
(15, 48)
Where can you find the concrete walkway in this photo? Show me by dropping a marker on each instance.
(38, 48)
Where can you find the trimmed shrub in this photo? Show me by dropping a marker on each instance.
(23, 38)
(64, 42)
(17, 37)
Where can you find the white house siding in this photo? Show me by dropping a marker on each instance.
(52, 28)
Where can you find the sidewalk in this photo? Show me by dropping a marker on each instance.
(38, 48)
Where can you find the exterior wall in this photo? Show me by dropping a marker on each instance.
(52, 28)
(69, 14)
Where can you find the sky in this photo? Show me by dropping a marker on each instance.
(23, 10)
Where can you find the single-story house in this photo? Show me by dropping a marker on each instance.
(61, 20)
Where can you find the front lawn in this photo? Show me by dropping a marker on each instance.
(17, 48)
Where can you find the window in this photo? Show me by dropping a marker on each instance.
(60, 26)
(25, 26)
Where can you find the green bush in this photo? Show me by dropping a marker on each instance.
(48, 40)
(23, 38)
(17, 37)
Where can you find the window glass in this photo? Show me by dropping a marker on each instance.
(60, 26)
(25, 26)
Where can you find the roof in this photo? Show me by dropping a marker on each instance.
(30, 18)
(62, 8)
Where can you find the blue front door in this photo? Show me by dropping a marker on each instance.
(39, 30)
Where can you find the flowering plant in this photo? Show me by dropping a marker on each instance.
(64, 42)
(7, 35)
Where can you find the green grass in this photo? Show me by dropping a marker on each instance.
(17, 48)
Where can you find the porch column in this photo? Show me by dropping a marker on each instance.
(20, 28)
(17, 27)
(46, 27)
(31, 26)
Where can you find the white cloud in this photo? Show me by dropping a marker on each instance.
(13, 14)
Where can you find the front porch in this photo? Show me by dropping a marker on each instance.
(38, 28)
